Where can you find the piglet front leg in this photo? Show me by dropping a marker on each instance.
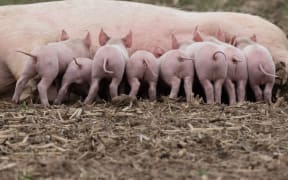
(62, 93)
(93, 91)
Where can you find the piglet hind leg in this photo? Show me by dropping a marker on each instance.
(230, 88)
(241, 91)
(28, 73)
(188, 89)
(218, 90)
(152, 90)
(113, 87)
(134, 84)
(209, 91)
(43, 86)
(268, 93)
(175, 86)
(257, 92)
(93, 91)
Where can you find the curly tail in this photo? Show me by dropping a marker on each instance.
(217, 52)
(28, 54)
(105, 67)
(265, 72)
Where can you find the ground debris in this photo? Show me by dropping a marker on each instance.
(167, 140)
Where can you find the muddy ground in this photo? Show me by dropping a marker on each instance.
(150, 140)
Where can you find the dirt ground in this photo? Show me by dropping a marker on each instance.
(147, 140)
(151, 140)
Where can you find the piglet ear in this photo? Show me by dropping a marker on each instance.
(220, 35)
(103, 37)
(87, 40)
(175, 43)
(64, 36)
(197, 36)
(196, 29)
(232, 41)
(235, 43)
(253, 38)
(158, 52)
(127, 40)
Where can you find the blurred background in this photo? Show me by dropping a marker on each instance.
(275, 11)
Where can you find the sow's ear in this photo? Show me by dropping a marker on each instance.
(64, 36)
(127, 40)
(87, 40)
(253, 38)
(103, 37)
(158, 52)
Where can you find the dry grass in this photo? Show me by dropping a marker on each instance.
(161, 140)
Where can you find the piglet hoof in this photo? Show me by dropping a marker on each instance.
(57, 102)
(239, 104)
(217, 103)
(153, 100)
(46, 105)
(189, 102)
(210, 103)
(167, 99)
(190, 99)
(123, 100)
(15, 100)
(87, 102)
(232, 103)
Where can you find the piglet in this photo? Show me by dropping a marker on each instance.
(261, 68)
(142, 65)
(78, 72)
(237, 68)
(49, 61)
(109, 62)
(210, 65)
(175, 66)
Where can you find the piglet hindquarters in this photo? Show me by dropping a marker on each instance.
(142, 65)
(210, 66)
(78, 72)
(174, 67)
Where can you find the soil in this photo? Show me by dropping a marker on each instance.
(144, 140)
